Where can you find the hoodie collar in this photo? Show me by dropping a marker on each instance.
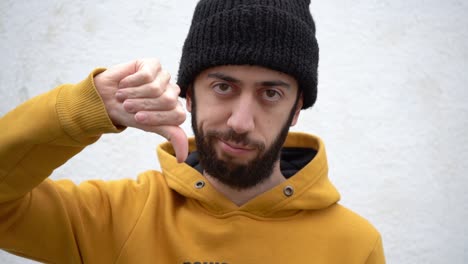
(303, 162)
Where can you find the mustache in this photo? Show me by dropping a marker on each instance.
(231, 135)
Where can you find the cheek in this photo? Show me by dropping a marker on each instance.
(270, 129)
(212, 117)
(272, 126)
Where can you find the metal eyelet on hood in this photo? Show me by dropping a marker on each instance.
(288, 191)
(200, 184)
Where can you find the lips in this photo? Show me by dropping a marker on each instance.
(235, 148)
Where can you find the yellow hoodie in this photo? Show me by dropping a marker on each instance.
(173, 216)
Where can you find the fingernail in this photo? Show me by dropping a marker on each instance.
(141, 117)
(120, 96)
(129, 106)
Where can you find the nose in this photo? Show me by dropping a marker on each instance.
(242, 117)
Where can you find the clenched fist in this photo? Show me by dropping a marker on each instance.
(139, 94)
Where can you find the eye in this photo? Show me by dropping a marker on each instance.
(271, 95)
(222, 88)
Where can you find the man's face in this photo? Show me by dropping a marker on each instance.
(240, 117)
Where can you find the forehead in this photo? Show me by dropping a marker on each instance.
(247, 74)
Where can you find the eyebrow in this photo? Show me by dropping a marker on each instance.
(276, 83)
(227, 78)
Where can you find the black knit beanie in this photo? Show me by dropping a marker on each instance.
(276, 34)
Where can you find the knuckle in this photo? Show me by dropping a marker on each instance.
(169, 101)
(155, 89)
(159, 118)
(146, 76)
(156, 118)
(147, 104)
(176, 89)
(173, 102)
(165, 75)
(181, 117)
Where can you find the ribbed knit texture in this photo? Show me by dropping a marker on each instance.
(72, 103)
(276, 34)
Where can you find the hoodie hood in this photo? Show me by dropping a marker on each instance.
(303, 163)
(291, 160)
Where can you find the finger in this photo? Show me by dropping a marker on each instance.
(152, 89)
(178, 139)
(161, 118)
(165, 102)
(120, 117)
(145, 72)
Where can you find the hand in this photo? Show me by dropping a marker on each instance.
(139, 94)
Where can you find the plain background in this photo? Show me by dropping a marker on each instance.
(392, 106)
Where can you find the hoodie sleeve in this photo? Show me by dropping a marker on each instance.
(39, 218)
(44, 132)
(377, 254)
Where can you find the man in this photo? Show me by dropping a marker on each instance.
(243, 191)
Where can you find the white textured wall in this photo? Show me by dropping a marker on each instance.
(392, 101)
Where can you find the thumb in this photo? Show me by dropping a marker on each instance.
(178, 139)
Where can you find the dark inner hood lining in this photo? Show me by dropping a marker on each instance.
(292, 160)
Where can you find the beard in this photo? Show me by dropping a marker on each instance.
(236, 175)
